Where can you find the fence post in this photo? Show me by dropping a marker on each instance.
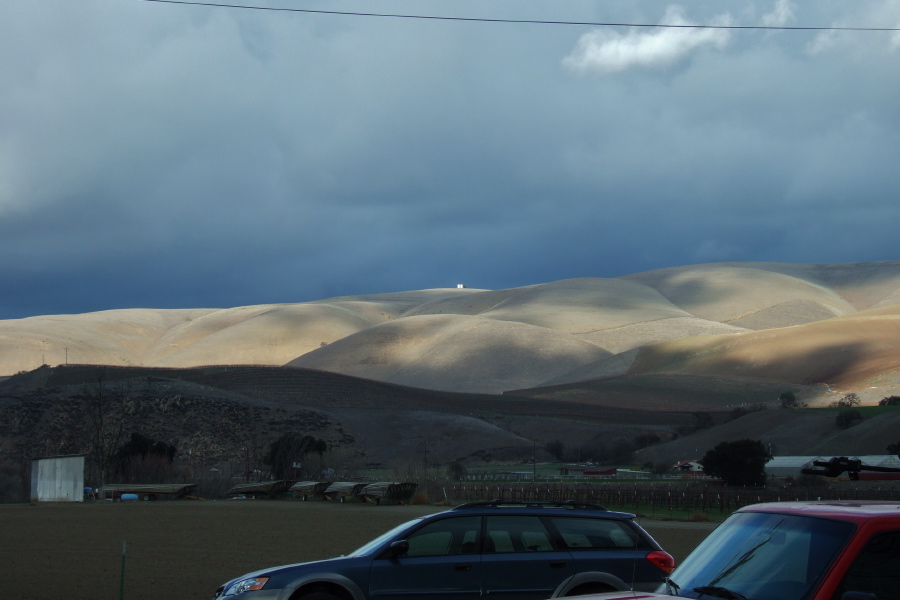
(122, 574)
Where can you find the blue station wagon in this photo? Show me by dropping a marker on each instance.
(502, 550)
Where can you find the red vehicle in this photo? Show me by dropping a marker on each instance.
(792, 551)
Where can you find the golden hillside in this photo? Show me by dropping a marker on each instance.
(861, 349)
(802, 323)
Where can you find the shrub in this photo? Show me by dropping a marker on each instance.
(789, 400)
(741, 462)
(847, 418)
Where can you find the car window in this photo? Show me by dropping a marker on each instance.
(765, 555)
(596, 534)
(372, 545)
(517, 534)
(458, 535)
(877, 568)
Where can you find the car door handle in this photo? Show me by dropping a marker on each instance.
(463, 567)
(557, 564)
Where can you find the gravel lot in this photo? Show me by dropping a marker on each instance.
(185, 549)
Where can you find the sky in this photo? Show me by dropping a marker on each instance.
(160, 155)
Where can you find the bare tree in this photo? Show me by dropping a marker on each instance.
(848, 401)
(106, 415)
(286, 452)
(150, 468)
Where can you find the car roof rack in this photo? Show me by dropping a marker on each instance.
(498, 502)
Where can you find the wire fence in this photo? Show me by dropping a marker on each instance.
(689, 497)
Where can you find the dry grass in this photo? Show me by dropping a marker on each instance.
(489, 341)
(843, 352)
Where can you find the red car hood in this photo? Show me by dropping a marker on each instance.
(623, 596)
(627, 595)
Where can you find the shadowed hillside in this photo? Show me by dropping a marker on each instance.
(662, 391)
(223, 416)
(788, 433)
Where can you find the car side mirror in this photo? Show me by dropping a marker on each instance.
(859, 596)
(398, 548)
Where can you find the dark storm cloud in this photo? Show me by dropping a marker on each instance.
(171, 156)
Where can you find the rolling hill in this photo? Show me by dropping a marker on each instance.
(465, 374)
(466, 340)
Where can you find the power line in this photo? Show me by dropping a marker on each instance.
(525, 21)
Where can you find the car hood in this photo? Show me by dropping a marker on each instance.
(275, 571)
(626, 595)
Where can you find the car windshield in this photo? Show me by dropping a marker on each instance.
(762, 556)
(370, 547)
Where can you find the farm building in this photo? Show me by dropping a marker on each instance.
(263, 489)
(400, 492)
(307, 489)
(58, 479)
(147, 491)
(688, 467)
(592, 471)
(340, 490)
(789, 466)
(879, 460)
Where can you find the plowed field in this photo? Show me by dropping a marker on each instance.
(185, 549)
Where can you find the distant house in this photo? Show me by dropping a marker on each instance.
(691, 468)
(688, 466)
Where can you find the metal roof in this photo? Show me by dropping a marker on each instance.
(148, 488)
(791, 462)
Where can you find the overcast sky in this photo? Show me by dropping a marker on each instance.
(173, 156)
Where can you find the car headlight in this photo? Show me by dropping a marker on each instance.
(247, 585)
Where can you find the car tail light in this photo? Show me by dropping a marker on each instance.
(662, 560)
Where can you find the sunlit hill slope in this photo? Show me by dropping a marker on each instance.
(792, 323)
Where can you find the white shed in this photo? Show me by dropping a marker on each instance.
(789, 466)
(57, 479)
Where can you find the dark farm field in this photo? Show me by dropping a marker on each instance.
(184, 549)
